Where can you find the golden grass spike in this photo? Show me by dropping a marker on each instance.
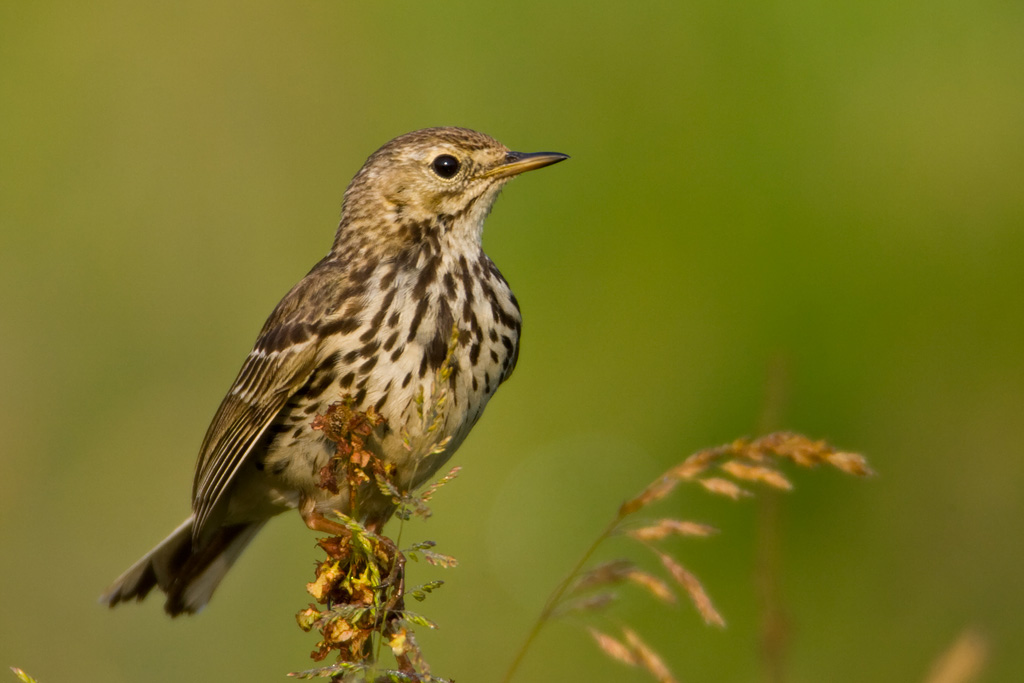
(850, 463)
(758, 473)
(652, 584)
(724, 487)
(655, 491)
(664, 528)
(693, 588)
(698, 463)
(604, 574)
(648, 658)
(618, 651)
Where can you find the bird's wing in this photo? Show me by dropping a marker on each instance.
(280, 364)
(267, 381)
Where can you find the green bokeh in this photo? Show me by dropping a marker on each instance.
(834, 187)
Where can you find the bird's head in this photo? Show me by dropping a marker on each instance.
(432, 181)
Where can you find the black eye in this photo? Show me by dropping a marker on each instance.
(445, 166)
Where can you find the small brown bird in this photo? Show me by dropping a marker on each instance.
(373, 321)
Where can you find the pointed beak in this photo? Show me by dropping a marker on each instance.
(520, 162)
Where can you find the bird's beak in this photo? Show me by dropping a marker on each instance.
(520, 162)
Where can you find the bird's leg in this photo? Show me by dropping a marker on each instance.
(396, 577)
(316, 521)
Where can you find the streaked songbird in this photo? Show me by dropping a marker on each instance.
(405, 289)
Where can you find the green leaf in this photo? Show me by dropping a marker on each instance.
(440, 560)
(343, 669)
(416, 619)
(420, 592)
(22, 675)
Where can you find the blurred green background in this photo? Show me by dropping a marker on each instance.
(838, 188)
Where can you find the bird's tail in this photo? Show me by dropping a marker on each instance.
(186, 573)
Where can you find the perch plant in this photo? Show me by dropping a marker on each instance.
(360, 588)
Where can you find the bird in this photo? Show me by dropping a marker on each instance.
(405, 289)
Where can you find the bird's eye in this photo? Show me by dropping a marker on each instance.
(445, 166)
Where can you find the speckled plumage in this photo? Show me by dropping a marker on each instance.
(371, 320)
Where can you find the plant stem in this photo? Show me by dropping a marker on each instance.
(555, 598)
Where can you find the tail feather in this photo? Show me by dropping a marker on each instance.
(186, 573)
